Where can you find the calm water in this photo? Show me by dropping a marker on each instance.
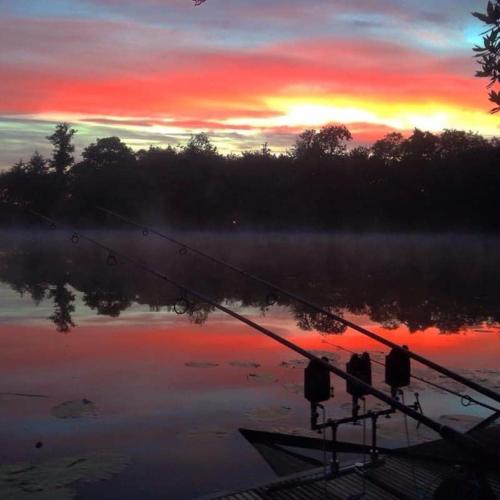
(168, 392)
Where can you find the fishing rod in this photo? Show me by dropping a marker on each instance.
(297, 298)
(462, 441)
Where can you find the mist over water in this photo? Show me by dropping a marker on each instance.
(421, 281)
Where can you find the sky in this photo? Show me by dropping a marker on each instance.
(244, 71)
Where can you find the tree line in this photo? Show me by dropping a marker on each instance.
(427, 181)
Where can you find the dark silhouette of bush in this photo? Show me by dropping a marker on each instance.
(488, 54)
(447, 181)
(329, 142)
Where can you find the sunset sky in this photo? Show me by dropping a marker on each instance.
(245, 71)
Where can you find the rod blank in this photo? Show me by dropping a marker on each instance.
(297, 298)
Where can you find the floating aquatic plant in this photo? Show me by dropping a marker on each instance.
(75, 409)
(200, 364)
(244, 364)
(50, 480)
(294, 363)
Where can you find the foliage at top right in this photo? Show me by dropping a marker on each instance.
(488, 53)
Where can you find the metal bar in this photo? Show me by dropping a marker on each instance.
(374, 438)
(421, 359)
(348, 420)
(310, 443)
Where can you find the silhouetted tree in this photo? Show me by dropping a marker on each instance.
(63, 147)
(107, 176)
(329, 142)
(200, 145)
(420, 145)
(457, 142)
(37, 164)
(359, 153)
(389, 148)
(488, 53)
(107, 152)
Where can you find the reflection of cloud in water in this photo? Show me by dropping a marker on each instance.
(80, 408)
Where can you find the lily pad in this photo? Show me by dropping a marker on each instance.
(13, 493)
(244, 364)
(294, 363)
(265, 378)
(200, 364)
(271, 413)
(50, 480)
(80, 408)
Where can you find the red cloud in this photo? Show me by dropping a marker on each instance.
(109, 69)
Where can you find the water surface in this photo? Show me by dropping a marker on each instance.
(170, 391)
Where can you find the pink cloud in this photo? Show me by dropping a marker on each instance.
(116, 69)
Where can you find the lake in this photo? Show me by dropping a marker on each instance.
(98, 367)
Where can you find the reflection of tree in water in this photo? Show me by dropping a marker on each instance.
(107, 302)
(63, 307)
(198, 312)
(312, 320)
(418, 283)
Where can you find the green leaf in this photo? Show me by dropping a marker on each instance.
(481, 17)
(490, 9)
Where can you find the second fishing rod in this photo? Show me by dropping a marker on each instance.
(462, 441)
(273, 288)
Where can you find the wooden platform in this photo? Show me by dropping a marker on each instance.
(394, 477)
